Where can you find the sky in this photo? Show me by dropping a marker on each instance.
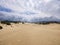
(28, 10)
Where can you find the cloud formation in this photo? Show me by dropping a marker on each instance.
(29, 9)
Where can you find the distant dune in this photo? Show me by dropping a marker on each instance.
(30, 34)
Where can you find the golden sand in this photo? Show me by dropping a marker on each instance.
(30, 34)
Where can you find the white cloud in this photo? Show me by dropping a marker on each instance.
(41, 8)
(47, 1)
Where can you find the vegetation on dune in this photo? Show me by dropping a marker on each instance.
(5, 22)
(47, 22)
(16, 22)
(23, 22)
(1, 27)
(9, 22)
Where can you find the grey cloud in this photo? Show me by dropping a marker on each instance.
(53, 7)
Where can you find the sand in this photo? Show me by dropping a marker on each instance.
(30, 34)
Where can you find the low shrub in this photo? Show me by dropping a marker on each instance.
(5, 22)
(1, 27)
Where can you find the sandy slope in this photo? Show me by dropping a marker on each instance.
(30, 34)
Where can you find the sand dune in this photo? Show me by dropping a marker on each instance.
(30, 34)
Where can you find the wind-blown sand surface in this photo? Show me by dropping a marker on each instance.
(30, 34)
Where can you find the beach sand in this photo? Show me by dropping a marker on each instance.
(30, 34)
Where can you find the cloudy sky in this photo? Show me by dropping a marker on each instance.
(29, 9)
